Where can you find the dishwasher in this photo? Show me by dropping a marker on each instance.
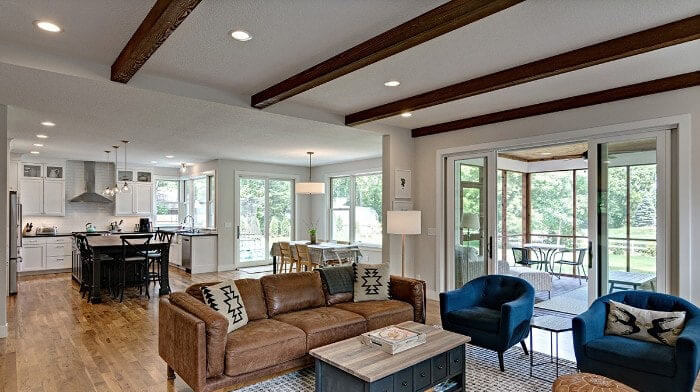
(186, 253)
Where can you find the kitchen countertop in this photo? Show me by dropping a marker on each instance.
(62, 234)
(188, 234)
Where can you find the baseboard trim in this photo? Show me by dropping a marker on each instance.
(3, 331)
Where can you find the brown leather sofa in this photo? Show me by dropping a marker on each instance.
(289, 314)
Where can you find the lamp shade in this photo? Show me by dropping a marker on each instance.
(310, 188)
(403, 222)
(471, 221)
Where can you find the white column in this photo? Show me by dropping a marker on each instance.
(4, 156)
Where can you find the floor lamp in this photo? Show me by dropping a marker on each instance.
(403, 222)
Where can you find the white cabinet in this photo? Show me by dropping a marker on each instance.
(32, 196)
(33, 257)
(12, 171)
(54, 197)
(138, 201)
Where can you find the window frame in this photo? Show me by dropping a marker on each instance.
(351, 205)
(186, 200)
(178, 202)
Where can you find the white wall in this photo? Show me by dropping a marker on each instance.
(226, 221)
(4, 157)
(686, 101)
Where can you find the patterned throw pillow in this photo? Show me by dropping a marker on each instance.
(371, 282)
(226, 299)
(643, 324)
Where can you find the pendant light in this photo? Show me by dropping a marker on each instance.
(310, 188)
(108, 190)
(125, 187)
(116, 189)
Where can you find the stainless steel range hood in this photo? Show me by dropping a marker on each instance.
(90, 196)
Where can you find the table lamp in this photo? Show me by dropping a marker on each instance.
(470, 222)
(403, 222)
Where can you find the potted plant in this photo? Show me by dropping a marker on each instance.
(312, 230)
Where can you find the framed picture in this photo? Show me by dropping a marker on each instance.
(402, 205)
(402, 184)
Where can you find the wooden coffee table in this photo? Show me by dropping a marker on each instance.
(351, 366)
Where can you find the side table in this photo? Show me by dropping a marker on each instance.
(555, 325)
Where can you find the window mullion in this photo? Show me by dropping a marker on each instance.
(351, 204)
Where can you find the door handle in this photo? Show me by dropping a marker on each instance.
(590, 254)
(238, 232)
(490, 246)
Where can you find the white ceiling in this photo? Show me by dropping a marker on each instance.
(92, 115)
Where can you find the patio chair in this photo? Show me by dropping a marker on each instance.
(577, 264)
(522, 257)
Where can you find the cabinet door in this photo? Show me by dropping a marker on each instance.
(54, 198)
(33, 258)
(31, 196)
(124, 203)
(57, 262)
(144, 198)
(12, 170)
(32, 170)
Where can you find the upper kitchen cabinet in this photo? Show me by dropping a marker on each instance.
(42, 188)
(12, 171)
(32, 196)
(54, 197)
(52, 170)
(138, 201)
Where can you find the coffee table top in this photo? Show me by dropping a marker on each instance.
(371, 364)
(551, 323)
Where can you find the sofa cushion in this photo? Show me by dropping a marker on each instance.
(292, 292)
(483, 319)
(325, 325)
(261, 344)
(380, 314)
(226, 299)
(338, 279)
(643, 324)
(371, 282)
(633, 354)
(251, 292)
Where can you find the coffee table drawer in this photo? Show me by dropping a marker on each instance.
(386, 384)
(439, 364)
(403, 381)
(421, 375)
(456, 358)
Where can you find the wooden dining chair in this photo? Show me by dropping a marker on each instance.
(287, 258)
(305, 258)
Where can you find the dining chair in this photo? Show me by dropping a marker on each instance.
(305, 258)
(577, 263)
(135, 257)
(344, 256)
(287, 258)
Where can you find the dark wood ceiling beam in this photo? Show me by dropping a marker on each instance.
(615, 94)
(161, 21)
(438, 21)
(629, 45)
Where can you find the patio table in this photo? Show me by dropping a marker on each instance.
(546, 252)
(623, 280)
(320, 253)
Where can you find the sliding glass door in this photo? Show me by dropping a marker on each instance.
(629, 205)
(265, 209)
(471, 217)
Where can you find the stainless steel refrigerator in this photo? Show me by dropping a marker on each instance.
(15, 241)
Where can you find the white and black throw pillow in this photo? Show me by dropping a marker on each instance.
(226, 299)
(371, 282)
(643, 324)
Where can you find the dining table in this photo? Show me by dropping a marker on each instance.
(111, 245)
(545, 252)
(320, 253)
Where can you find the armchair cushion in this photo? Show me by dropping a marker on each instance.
(633, 354)
(644, 324)
(478, 317)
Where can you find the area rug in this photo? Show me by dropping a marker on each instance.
(572, 302)
(483, 374)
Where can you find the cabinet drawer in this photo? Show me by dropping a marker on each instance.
(57, 262)
(384, 385)
(58, 249)
(456, 358)
(59, 240)
(33, 241)
(439, 367)
(403, 381)
(421, 375)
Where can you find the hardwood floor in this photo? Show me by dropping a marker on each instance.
(59, 342)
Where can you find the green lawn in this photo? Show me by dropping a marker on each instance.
(638, 263)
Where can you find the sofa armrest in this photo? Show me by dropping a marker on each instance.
(588, 325)
(216, 330)
(688, 348)
(182, 343)
(411, 291)
(517, 312)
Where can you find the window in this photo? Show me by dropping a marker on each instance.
(167, 199)
(356, 208)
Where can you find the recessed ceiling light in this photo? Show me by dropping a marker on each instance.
(40, 136)
(170, 156)
(48, 26)
(545, 153)
(34, 152)
(154, 162)
(392, 83)
(48, 124)
(38, 145)
(241, 35)
(406, 114)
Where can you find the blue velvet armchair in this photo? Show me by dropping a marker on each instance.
(642, 365)
(494, 310)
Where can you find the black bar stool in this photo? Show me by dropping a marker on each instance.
(133, 264)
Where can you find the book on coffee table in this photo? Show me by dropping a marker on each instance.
(393, 339)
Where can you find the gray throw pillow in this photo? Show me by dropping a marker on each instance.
(338, 279)
(371, 282)
(643, 324)
(226, 299)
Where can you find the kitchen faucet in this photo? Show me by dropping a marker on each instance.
(184, 222)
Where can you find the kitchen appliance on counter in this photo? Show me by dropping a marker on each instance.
(90, 228)
(15, 241)
(46, 231)
(144, 225)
